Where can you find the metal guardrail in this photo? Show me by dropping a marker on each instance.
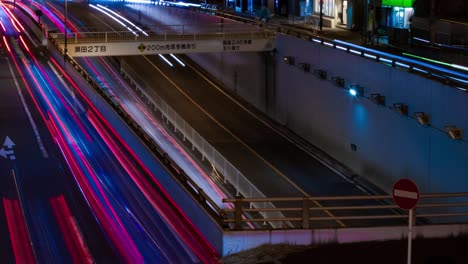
(447, 33)
(231, 174)
(211, 207)
(354, 211)
(226, 170)
(234, 217)
(243, 186)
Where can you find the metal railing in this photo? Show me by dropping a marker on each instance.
(169, 33)
(230, 173)
(353, 211)
(446, 32)
(261, 206)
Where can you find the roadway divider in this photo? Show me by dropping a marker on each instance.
(228, 171)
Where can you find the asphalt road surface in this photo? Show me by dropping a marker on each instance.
(268, 159)
(41, 174)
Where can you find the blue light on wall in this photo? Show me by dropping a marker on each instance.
(356, 90)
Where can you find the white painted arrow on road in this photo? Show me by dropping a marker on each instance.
(4, 152)
(8, 142)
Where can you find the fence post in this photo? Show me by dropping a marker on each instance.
(238, 213)
(305, 213)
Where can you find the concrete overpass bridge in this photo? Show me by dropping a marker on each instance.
(231, 232)
(170, 39)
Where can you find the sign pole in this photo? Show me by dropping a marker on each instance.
(406, 196)
(410, 234)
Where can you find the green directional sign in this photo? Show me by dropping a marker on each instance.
(142, 47)
(398, 3)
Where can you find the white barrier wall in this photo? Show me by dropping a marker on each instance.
(389, 146)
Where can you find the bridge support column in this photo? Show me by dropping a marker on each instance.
(238, 213)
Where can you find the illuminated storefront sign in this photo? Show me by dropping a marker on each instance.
(398, 3)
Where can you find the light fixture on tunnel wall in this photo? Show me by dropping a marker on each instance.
(454, 132)
(423, 118)
(356, 90)
(289, 60)
(378, 99)
(338, 81)
(401, 108)
(321, 74)
(304, 66)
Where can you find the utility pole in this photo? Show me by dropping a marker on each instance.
(321, 14)
(366, 18)
(65, 27)
(432, 22)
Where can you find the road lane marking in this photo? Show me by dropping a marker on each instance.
(273, 128)
(28, 113)
(102, 21)
(241, 141)
(75, 102)
(7, 151)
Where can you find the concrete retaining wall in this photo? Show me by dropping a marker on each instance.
(235, 242)
(389, 146)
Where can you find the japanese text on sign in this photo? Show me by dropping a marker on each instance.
(235, 44)
(179, 46)
(90, 49)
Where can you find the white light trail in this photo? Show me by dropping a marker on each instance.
(123, 18)
(115, 19)
(164, 58)
(460, 67)
(370, 56)
(177, 59)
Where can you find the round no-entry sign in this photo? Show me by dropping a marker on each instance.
(405, 194)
